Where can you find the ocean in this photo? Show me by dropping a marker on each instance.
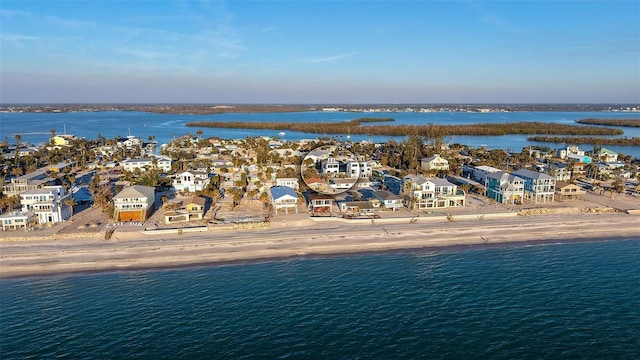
(35, 127)
(553, 301)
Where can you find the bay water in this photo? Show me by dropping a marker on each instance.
(35, 127)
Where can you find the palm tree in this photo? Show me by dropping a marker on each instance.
(18, 140)
(70, 202)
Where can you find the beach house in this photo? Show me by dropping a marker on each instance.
(389, 200)
(190, 209)
(49, 203)
(568, 190)
(505, 188)
(15, 220)
(284, 198)
(320, 204)
(135, 203)
(537, 186)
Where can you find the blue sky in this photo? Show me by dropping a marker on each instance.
(320, 52)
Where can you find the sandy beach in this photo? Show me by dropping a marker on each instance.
(140, 250)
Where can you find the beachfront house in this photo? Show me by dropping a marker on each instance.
(537, 186)
(135, 203)
(505, 188)
(49, 203)
(191, 181)
(284, 198)
(190, 209)
(432, 193)
(568, 190)
(389, 200)
(434, 163)
(15, 220)
(320, 204)
(356, 208)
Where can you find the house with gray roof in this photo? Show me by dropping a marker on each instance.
(538, 187)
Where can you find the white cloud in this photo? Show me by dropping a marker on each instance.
(332, 58)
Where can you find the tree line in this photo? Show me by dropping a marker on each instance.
(634, 141)
(431, 130)
(611, 122)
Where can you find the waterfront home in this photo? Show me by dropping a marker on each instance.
(537, 186)
(388, 199)
(434, 163)
(568, 191)
(356, 208)
(289, 182)
(162, 163)
(320, 204)
(48, 203)
(432, 193)
(505, 188)
(284, 198)
(606, 155)
(447, 194)
(62, 140)
(191, 181)
(135, 203)
(15, 220)
(191, 209)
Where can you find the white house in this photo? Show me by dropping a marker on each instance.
(18, 220)
(433, 192)
(434, 163)
(289, 182)
(284, 198)
(48, 203)
(329, 166)
(161, 163)
(191, 181)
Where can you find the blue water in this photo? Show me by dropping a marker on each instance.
(35, 127)
(557, 301)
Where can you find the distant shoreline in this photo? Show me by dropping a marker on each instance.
(212, 109)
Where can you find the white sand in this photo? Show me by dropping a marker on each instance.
(134, 250)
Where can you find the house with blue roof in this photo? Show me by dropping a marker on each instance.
(284, 198)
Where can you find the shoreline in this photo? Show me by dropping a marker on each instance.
(136, 251)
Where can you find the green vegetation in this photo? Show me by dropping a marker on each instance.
(372, 120)
(635, 141)
(611, 122)
(430, 130)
